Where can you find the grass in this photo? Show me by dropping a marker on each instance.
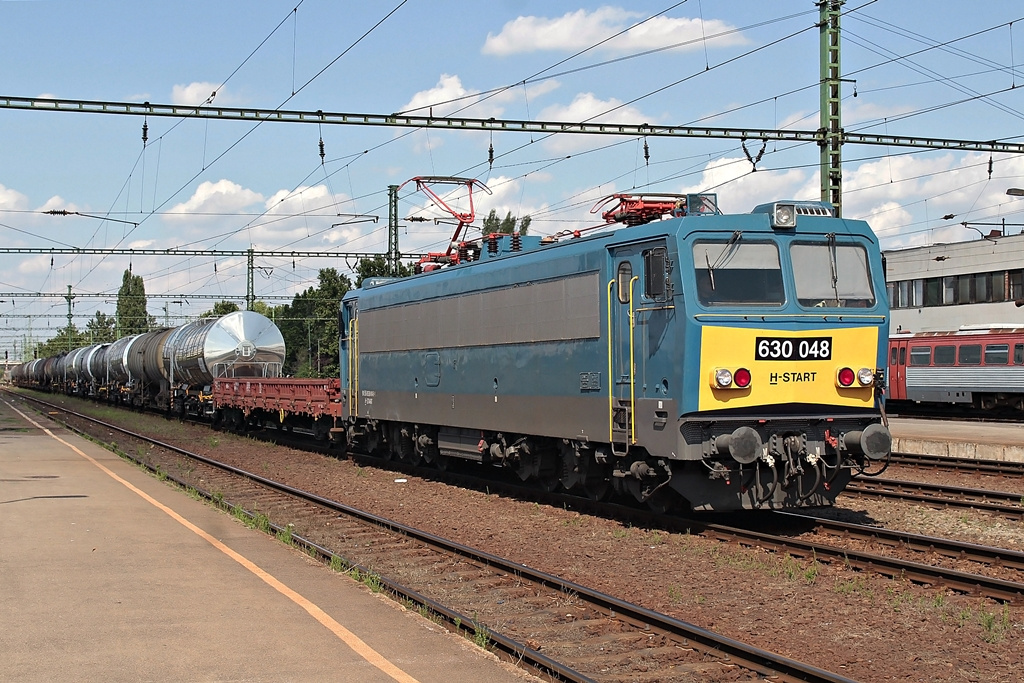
(481, 636)
(285, 534)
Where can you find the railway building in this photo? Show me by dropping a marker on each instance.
(947, 286)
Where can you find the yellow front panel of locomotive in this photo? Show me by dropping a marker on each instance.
(792, 379)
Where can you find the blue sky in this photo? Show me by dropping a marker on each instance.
(222, 185)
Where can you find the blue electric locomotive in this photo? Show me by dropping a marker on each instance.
(704, 361)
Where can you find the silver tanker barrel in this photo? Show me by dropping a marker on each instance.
(145, 356)
(239, 344)
(79, 363)
(95, 364)
(117, 359)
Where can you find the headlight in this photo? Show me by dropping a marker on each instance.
(784, 216)
(866, 377)
(723, 378)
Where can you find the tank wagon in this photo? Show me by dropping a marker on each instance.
(170, 369)
(708, 361)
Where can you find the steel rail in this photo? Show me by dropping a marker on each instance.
(1010, 505)
(958, 464)
(1003, 557)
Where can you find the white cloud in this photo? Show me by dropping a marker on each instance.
(57, 202)
(198, 92)
(580, 29)
(437, 101)
(739, 190)
(12, 200)
(586, 107)
(221, 197)
(298, 214)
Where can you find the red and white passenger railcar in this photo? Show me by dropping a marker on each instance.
(982, 367)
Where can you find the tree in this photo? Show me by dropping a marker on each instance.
(310, 326)
(67, 338)
(506, 225)
(132, 316)
(102, 329)
(378, 267)
(220, 308)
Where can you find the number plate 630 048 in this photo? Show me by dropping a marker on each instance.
(798, 348)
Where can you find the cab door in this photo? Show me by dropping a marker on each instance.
(639, 296)
(897, 390)
(621, 361)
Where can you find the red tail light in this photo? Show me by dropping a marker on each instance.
(846, 377)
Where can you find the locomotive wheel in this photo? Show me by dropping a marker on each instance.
(597, 489)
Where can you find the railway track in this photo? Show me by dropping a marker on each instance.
(954, 464)
(556, 628)
(1004, 503)
(749, 534)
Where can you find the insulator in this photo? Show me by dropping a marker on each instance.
(321, 150)
(647, 153)
(517, 243)
(490, 156)
(145, 132)
(990, 167)
(492, 243)
(463, 251)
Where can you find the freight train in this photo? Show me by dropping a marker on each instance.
(979, 368)
(684, 358)
(169, 369)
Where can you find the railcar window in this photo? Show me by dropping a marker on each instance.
(734, 272)
(920, 355)
(892, 356)
(997, 354)
(625, 275)
(1018, 354)
(970, 354)
(945, 355)
(832, 275)
(903, 355)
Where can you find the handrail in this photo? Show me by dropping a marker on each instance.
(632, 366)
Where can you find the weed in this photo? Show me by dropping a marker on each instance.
(699, 599)
(313, 552)
(373, 582)
(285, 534)
(620, 533)
(218, 498)
(811, 573)
(989, 625)
(193, 493)
(240, 514)
(214, 442)
(262, 522)
(458, 623)
(360, 472)
(675, 594)
(337, 564)
(160, 474)
(939, 601)
(481, 636)
(575, 522)
(655, 538)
